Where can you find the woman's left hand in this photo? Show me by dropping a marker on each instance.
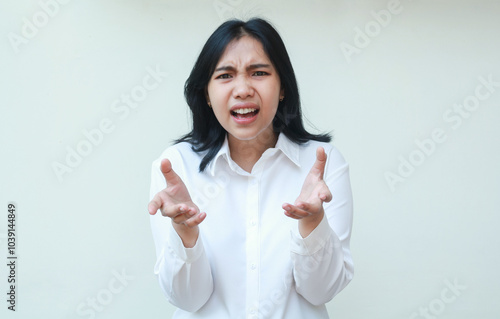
(308, 208)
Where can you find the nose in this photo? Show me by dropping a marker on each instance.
(242, 87)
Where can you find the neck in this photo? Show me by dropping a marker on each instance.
(247, 153)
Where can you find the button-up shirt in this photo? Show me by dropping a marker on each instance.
(249, 260)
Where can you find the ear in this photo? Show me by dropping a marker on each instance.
(282, 94)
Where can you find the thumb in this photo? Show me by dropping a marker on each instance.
(170, 176)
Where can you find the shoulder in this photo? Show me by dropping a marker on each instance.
(181, 155)
(335, 159)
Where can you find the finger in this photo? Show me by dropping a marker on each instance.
(294, 215)
(320, 163)
(183, 213)
(170, 176)
(295, 212)
(180, 218)
(154, 204)
(288, 214)
(196, 220)
(310, 208)
(174, 210)
(303, 205)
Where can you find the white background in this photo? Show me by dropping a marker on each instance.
(437, 224)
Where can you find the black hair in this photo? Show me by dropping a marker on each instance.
(207, 134)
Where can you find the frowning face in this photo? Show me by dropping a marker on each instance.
(244, 90)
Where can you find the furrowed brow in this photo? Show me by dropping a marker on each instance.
(250, 67)
(258, 66)
(225, 68)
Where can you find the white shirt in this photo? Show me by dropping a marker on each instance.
(249, 260)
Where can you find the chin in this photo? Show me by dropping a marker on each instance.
(244, 137)
(263, 135)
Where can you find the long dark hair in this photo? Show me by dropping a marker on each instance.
(207, 134)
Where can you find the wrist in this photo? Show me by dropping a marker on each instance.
(188, 235)
(308, 224)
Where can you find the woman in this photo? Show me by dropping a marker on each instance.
(229, 241)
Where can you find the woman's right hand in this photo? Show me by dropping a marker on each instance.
(175, 202)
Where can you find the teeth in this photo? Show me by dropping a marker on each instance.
(244, 111)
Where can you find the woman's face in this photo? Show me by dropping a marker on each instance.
(245, 90)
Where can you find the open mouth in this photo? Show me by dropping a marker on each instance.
(244, 113)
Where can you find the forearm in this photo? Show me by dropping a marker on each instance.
(182, 267)
(184, 274)
(321, 269)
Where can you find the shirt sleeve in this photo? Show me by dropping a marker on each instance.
(184, 273)
(322, 263)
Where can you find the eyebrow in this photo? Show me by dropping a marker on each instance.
(250, 67)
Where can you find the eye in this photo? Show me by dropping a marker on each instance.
(223, 76)
(260, 73)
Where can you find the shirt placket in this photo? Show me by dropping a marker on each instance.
(252, 247)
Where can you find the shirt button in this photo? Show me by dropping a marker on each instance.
(253, 222)
(253, 266)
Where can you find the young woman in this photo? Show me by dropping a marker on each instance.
(251, 214)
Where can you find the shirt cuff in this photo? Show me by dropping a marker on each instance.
(316, 240)
(188, 255)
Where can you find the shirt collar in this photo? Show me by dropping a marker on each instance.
(284, 144)
(223, 152)
(289, 148)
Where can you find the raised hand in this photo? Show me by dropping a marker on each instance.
(175, 202)
(308, 207)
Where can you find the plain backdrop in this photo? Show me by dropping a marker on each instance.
(399, 84)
